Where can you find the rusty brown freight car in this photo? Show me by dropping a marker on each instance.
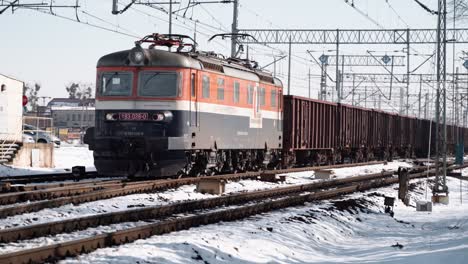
(309, 130)
(354, 134)
(319, 132)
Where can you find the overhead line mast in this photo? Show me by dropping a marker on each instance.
(440, 191)
(235, 25)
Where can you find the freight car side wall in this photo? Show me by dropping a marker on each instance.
(317, 125)
(355, 127)
(308, 124)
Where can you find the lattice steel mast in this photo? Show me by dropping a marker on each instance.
(440, 186)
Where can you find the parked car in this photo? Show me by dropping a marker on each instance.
(41, 136)
(27, 138)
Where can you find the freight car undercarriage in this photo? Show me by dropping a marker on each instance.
(317, 157)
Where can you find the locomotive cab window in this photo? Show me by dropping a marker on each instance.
(116, 84)
(158, 84)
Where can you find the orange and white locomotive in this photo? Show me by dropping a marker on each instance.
(161, 113)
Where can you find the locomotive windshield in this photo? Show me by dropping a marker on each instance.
(158, 84)
(116, 84)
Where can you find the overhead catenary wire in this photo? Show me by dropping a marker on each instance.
(362, 13)
(86, 23)
(397, 14)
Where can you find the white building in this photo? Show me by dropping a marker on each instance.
(11, 109)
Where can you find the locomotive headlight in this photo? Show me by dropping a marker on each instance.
(165, 116)
(158, 117)
(137, 55)
(112, 117)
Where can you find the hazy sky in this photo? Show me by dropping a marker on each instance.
(37, 47)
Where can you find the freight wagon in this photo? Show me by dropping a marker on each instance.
(318, 132)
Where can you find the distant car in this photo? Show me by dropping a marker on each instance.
(40, 136)
(27, 138)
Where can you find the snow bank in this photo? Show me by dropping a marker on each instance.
(65, 158)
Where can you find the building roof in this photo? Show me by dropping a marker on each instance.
(11, 78)
(71, 102)
(72, 108)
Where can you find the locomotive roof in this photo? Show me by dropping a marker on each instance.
(199, 61)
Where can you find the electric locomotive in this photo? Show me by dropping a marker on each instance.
(183, 112)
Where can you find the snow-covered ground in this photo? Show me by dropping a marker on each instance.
(65, 158)
(353, 229)
(183, 193)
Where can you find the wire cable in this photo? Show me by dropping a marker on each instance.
(366, 15)
(397, 14)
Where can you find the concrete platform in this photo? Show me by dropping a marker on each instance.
(424, 206)
(325, 174)
(35, 155)
(442, 199)
(211, 186)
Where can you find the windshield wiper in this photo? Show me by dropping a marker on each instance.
(152, 76)
(110, 79)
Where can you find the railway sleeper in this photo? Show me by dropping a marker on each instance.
(10, 235)
(72, 248)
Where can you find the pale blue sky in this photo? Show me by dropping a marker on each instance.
(53, 51)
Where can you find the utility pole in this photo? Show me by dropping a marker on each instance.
(274, 66)
(309, 83)
(380, 101)
(440, 191)
(420, 90)
(426, 105)
(365, 96)
(235, 28)
(195, 31)
(340, 92)
(354, 87)
(407, 69)
(455, 110)
(402, 101)
(289, 68)
(323, 83)
(337, 78)
(170, 17)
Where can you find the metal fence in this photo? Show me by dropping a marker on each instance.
(39, 128)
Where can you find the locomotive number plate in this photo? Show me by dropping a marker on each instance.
(133, 116)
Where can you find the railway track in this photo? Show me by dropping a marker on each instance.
(68, 176)
(87, 192)
(50, 177)
(247, 204)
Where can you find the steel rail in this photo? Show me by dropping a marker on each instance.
(25, 179)
(86, 245)
(94, 192)
(69, 225)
